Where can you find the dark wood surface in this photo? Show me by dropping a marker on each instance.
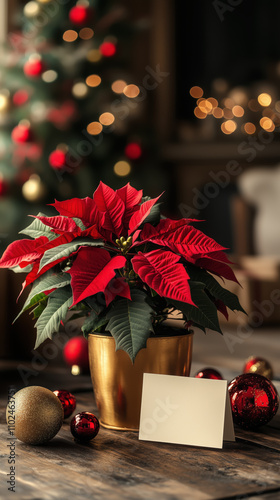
(117, 466)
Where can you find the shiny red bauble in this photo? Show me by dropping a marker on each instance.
(80, 15)
(20, 97)
(33, 68)
(108, 49)
(58, 159)
(255, 364)
(209, 373)
(84, 426)
(254, 400)
(133, 151)
(21, 133)
(67, 400)
(75, 353)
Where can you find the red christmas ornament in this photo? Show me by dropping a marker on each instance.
(84, 426)
(133, 151)
(20, 97)
(209, 373)
(108, 49)
(67, 400)
(254, 400)
(75, 353)
(80, 15)
(57, 159)
(254, 364)
(33, 68)
(21, 133)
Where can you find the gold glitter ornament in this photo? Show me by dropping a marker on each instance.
(255, 364)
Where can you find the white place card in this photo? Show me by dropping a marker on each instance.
(184, 410)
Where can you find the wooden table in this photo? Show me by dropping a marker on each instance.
(117, 466)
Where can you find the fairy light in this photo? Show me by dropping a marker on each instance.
(196, 92)
(218, 113)
(205, 106)
(122, 168)
(106, 119)
(228, 127)
(118, 86)
(94, 56)
(80, 90)
(228, 103)
(267, 124)
(70, 36)
(93, 80)
(131, 91)
(264, 99)
(33, 189)
(94, 128)
(238, 111)
(31, 9)
(213, 102)
(249, 128)
(199, 113)
(228, 114)
(49, 76)
(86, 33)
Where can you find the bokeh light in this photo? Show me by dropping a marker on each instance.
(122, 168)
(264, 99)
(106, 119)
(118, 86)
(249, 128)
(238, 111)
(93, 80)
(196, 92)
(94, 128)
(80, 90)
(70, 36)
(86, 33)
(228, 127)
(131, 91)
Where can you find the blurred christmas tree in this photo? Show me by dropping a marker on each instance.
(70, 111)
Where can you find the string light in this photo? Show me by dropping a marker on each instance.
(94, 128)
(33, 189)
(228, 114)
(4, 100)
(131, 91)
(86, 33)
(213, 102)
(118, 86)
(267, 124)
(122, 168)
(264, 99)
(31, 9)
(249, 128)
(205, 106)
(80, 90)
(199, 113)
(94, 56)
(218, 113)
(70, 36)
(228, 127)
(196, 92)
(93, 80)
(49, 76)
(228, 103)
(106, 119)
(238, 111)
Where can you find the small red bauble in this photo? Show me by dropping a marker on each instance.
(254, 400)
(108, 49)
(133, 151)
(209, 373)
(254, 364)
(34, 68)
(75, 353)
(21, 133)
(67, 400)
(20, 97)
(57, 159)
(84, 426)
(80, 15)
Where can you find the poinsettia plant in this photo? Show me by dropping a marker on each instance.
(115, 261)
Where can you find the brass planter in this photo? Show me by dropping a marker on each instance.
(117, 383)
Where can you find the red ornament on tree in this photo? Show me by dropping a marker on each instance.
(75, 353)
(20, 97)
(108, 49)
(80, 14)
(84, 426)
(133, 151)
(209, 373)
(254, 400)
(21, 133)
(67, 400)
(254, 364)
(58, 159)
(34, 67)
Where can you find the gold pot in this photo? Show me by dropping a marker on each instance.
(117, 382)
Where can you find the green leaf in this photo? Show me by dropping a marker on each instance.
(228, 298)
(46, 282)
(130, 323)
(37, 229)
(55, 312)
(65, 250)
(79, 223)
(92, 323)
(40, 308)
(205, 314)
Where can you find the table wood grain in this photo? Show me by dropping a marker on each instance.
(115, 465)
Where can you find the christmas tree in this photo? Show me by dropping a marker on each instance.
(70, 110)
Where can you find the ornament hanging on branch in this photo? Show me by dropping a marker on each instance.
(58, 158)
(22, 132)
(108, 49)
(34, 66)
(80, 14)
(254, 400)
(133, 151)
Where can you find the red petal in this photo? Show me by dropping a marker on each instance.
(131, 198)
(84, 209)
(22, 251)
(111, 204)
(221, 307)
(64, 224)
(218, 268)
(141, 214)
(117, 286)
(92, 271)
(60, 240)
(92, 232)
(165, 228)
(162, 272)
